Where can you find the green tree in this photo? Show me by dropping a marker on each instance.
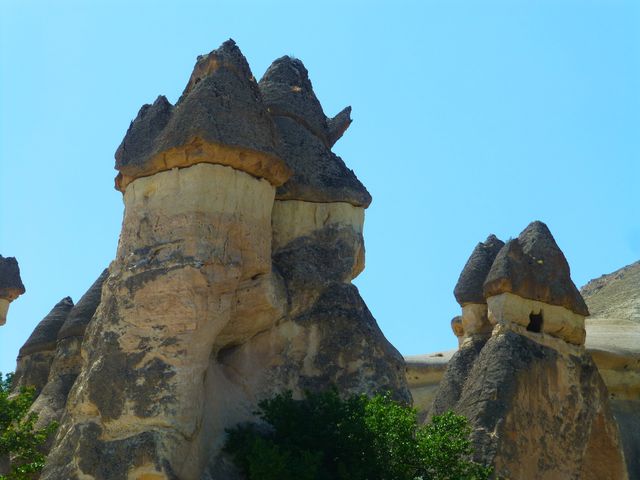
(20, 441)
(325, 437)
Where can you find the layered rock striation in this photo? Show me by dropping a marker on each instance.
(11, 286)
(533, 395)
(242, 232)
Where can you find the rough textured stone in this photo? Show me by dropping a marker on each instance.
(36, 355)
(533, 266)
(473, 275)
(67, 360)
(536, 412)
(306, 138)
(219, 296)
(220, 118)
(11, 286)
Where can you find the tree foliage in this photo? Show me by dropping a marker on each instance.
(20, 441)
(324, 437)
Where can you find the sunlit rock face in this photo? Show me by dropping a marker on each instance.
(241, 234)
(11, 286)
(533, 395)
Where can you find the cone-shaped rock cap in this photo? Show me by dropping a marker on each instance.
(469, 286)
(11, 286)
(533, 266)
(306, 138)
(220, 118)
(82, 312)
(46, 333)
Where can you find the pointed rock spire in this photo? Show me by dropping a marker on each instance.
(220, 118)
(46, 332)
(469, 286)
(306, 138)
(533, 266)
(82, 312)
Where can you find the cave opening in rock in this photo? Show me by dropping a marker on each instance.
(535, 322)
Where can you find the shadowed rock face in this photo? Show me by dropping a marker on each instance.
(471, 280)
(221, 294)
(306, 137)
(11, 286)
(36, 355)
(532, 266)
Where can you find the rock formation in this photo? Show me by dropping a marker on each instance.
(36, 355)
(11, 286)
(64, 367)
(536, 402)
(613, 339)
(242, 232)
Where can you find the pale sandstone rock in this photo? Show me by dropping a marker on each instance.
(475, 320)
(424, 373)
(554, 320)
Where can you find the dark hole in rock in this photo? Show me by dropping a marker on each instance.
(535, 322)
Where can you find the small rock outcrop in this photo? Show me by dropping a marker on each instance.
(538, 407)
(241, 235)
(11, 286)
(36, 355)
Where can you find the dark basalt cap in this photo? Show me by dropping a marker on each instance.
(469, 286)
(46, 333)
(533, 266)
(81, 314)
(221, 105)
(306, 138)
(10, 282)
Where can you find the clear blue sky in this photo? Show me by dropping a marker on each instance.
(470, 118)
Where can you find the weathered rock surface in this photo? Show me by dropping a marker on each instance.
(220, 118)
(613, 339)
(537, 412)
(220, 295)
(537, 404)
(36, 355)
(67, 359)
(306, 138)
(533, 267)
(11, 286)
(471, 280)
